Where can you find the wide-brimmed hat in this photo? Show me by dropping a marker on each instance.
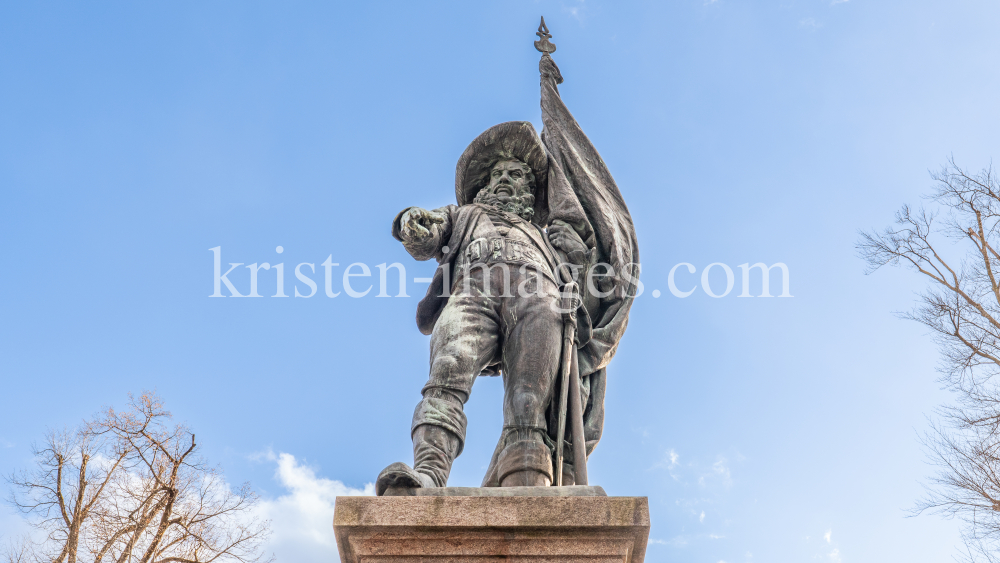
(511, 140)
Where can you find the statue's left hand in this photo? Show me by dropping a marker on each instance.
(547, 67)
(565, 238)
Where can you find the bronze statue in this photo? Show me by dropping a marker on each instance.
(538, 270)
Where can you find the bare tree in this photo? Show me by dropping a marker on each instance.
(961, 306)
(20, 550)
(140, 493)
(63, 490)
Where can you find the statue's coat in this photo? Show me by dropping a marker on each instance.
(579, 191)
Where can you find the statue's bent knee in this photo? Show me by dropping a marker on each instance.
(450, 370)
(444, 365)
(528, 407)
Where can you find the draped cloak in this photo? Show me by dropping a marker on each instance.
(582, 193)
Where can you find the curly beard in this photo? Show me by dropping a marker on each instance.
(518, 205)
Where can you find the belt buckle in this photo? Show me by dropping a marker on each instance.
(475, 250)
(497, 249)
(515, 251)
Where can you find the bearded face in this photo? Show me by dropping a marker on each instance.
(511, 189)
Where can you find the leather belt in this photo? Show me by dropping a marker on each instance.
(498, 249)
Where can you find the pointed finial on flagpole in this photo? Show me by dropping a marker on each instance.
(543, 44)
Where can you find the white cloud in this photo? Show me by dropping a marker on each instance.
(721, 468)
(670, 462)
(676, 541)
(577, 12)
(712, 476)
(702, 517)
(834, 554)
(810, 23)
(302, 518)
(835, 2)
(715, 537)
(14, 526)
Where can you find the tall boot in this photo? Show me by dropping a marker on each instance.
(434, 450)
(438, 432)
(525, 463)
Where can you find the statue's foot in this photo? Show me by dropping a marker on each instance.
(400, 476)
(526, 478)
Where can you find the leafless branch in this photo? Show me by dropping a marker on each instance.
(130, 487)
(961, 307)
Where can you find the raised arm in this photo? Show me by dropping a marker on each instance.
(422, 232)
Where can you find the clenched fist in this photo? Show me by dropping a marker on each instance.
(565, 238)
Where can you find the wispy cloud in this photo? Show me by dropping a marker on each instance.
(676, 541)
(705, 485)
(810, 23)
(578, 11)
(14, 527)
(301, 517)
(683, 540)
(669, 462)
(719, 473)
(834, 554)
(641, 430)
(721, 468)
(835, 2)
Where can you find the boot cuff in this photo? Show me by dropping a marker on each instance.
(443, 413)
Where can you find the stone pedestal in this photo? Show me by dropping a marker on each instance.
(507, 525)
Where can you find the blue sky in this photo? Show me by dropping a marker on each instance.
(137, 136)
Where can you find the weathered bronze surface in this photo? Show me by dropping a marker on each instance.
(543, 44)
(538, 267)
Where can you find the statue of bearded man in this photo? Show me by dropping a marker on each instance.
(497, 311)
(536, 218)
